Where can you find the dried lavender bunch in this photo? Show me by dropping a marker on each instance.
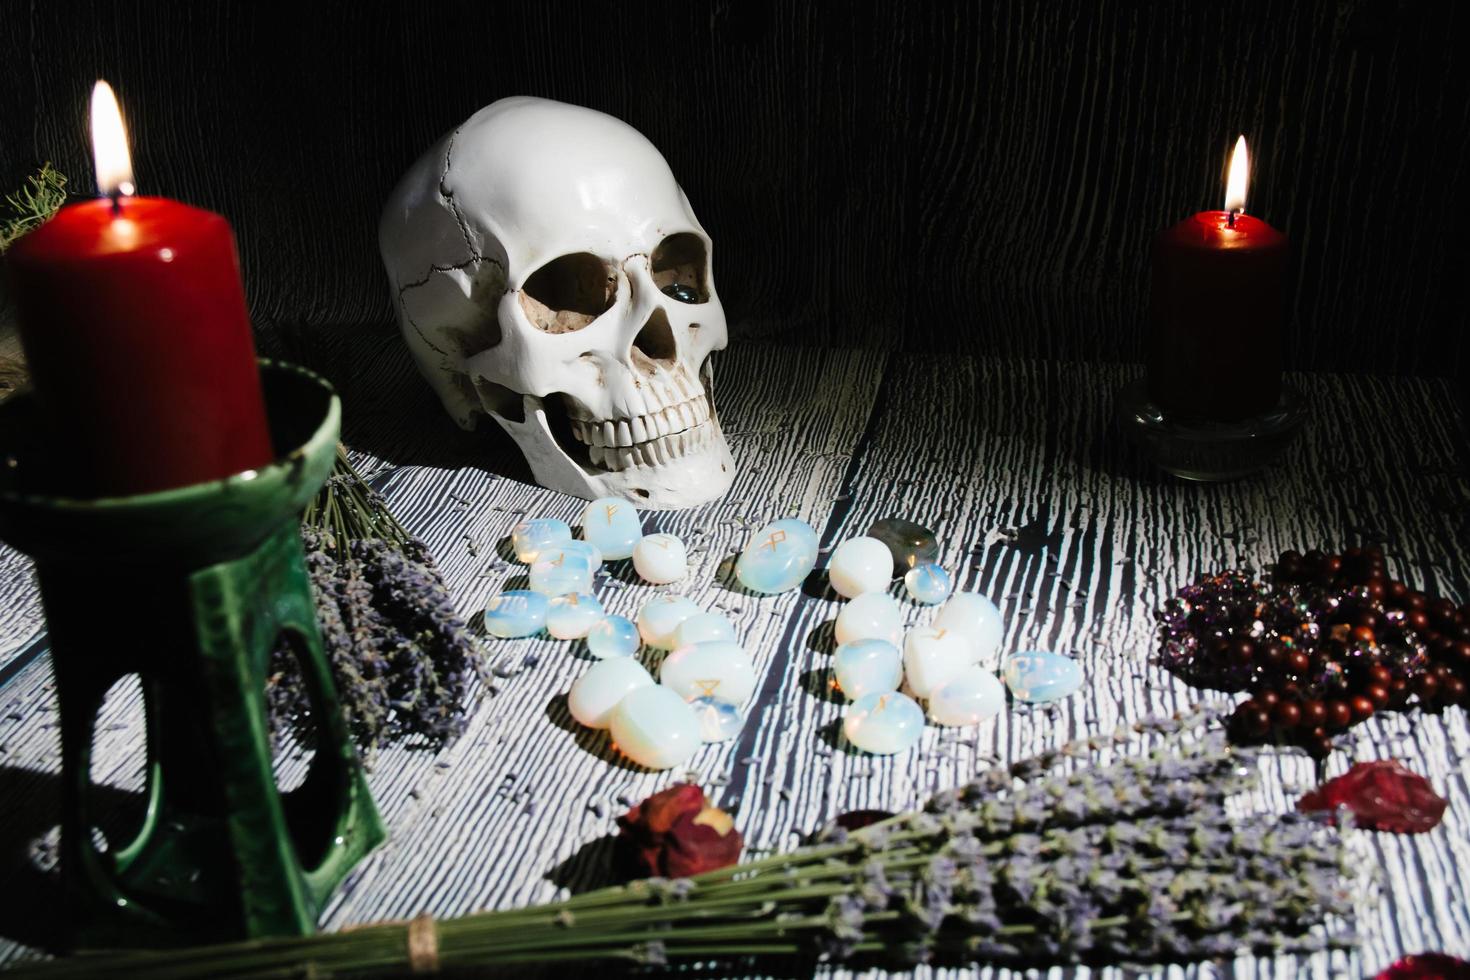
(1135, 861)
(401, 657)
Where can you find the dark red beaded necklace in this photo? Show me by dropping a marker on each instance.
(1323, 643)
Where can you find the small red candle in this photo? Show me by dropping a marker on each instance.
(133, 322)
(1218, 302)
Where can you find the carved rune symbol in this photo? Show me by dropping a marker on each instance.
(611, 510)
(882, 704)
(776, 538)
(939, 633)
(708, 687)
(561, 557)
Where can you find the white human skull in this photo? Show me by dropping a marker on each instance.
(529, 252)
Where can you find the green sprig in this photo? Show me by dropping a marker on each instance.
(33, 205)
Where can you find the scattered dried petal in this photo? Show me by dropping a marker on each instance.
(1382, 796)
(675, 833)
(1427, 966)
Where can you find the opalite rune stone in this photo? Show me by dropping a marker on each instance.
(596, 693)
(778, 557)
(586, 549)
(613, 526)
(709, 670)
(654, 727)
(558, 571)
(910, 544)
(570, 616)
(860, 565)
(612, 636)
(976, 617)
(516, 612)
(660, 559)
(871, 616)
(883, 723)
(719, 721)
(1038, 675)
(703, 628)
(528, 538)
(932, 656)
(661, 616)
(968, 698)
(865, 667)
(928, 584)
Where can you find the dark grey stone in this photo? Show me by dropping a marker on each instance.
(910, 544)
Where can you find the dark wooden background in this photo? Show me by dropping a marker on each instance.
(906, 175)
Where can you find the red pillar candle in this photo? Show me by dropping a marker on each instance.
(1217, 307)
(133, 322)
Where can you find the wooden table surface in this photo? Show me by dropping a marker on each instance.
(1036, 502)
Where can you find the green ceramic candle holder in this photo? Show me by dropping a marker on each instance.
(191, 589)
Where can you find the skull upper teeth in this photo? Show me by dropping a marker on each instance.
(646, 440)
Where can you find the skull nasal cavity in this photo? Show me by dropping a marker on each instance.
(656, 340)
(568, 292)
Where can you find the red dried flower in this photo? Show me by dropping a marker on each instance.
(1382, 796)
(676, 833)
(1427, 966)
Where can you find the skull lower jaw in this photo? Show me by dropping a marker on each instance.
(671, 473)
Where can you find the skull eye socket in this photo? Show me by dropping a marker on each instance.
(569, 292)
(680, 267)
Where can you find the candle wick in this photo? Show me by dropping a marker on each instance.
(115, 196)
(1230, 219)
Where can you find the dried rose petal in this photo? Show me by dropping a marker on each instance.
(675, 833)
(1382, 796)
(662, 810)
(1427, 966)
(703, 842)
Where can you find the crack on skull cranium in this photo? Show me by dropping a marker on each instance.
(423, 337)
(454, 267)
(448, 196)
(486, 286)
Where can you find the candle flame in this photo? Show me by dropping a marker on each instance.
(1236, 178)
(110, 144)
